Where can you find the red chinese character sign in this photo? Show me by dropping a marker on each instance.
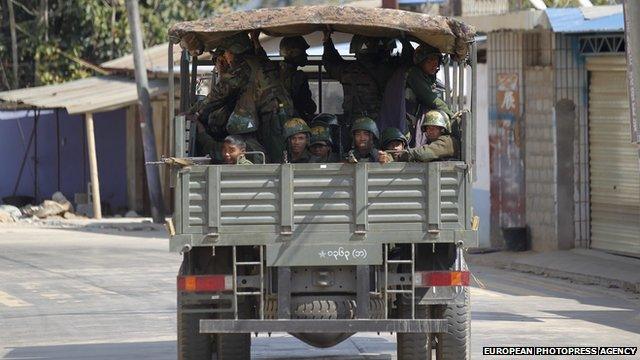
(508, 94)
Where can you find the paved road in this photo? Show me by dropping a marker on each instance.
(88, 293)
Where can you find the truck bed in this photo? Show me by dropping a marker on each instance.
(296, 207)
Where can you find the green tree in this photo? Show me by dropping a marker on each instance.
(60, 40)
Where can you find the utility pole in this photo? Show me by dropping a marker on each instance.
(146, 114)
(632, 42)
(14, 43)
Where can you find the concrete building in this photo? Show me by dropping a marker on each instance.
(562, 164)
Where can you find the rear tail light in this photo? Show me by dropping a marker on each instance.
(205, 283)
(442, 278)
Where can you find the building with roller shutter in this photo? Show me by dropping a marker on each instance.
(562, 163)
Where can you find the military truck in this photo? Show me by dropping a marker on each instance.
(323, 251)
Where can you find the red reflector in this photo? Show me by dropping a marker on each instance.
(443, 278)
(204, 283)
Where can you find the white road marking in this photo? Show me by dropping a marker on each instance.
(11, 301)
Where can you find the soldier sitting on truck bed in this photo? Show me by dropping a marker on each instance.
(233, 150)
(321, 145)
(365, 132)
(296, 134)
(394, 140)
(242, 123)
(440, 144)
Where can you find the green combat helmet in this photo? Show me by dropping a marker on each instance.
(436, 118)
(324, 119)
(319, 134)
(241, 121)
(294, 126)
(423, 51)
(292, 46)
(236, 44)
(365, 123)
(390, 134)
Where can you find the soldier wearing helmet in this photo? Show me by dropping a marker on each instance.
(330, 122)
(321, 144)
(293, 49)
(231, 84)
(423, 92)
(362, 80)
(243, 124)
(296, 133)
(365, 133)
(395, 141)
(440, 145)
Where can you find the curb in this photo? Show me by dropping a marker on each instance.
(558, 274)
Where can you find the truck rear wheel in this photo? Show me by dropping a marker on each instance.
(456, 343)
(412, 346)
(233, 346)
(191, 344)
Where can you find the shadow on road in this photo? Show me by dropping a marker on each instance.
(157, 350)
(263, 348)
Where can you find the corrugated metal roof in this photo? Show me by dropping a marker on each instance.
(156, 59)
(94, 94)
(560, 20)
(575, 20)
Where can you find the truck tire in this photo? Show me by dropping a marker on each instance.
(319, 308)
(412, 346)
(456, 343)
(233, 346)
(191, 344)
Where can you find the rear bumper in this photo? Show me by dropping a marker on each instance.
(322, 326)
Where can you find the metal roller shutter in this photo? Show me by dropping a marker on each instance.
(614, 173)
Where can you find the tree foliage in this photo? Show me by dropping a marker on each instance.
(59, 40)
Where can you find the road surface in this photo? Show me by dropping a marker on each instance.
(102, 293)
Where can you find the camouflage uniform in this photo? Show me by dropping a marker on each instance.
(273, 105)
(215, 109)
(361, 87)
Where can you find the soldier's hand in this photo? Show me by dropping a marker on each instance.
(383, 157)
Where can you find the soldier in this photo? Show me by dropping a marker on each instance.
(242, 125)
(233, 151)
(214, 110)
(363, 81)
(441, 145)
(394, 140)
(422, 86)
(294, 51)
(321, 144)
(296, 133)
(330, 121)
(365, 133)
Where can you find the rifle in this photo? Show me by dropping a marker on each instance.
(181, 162)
